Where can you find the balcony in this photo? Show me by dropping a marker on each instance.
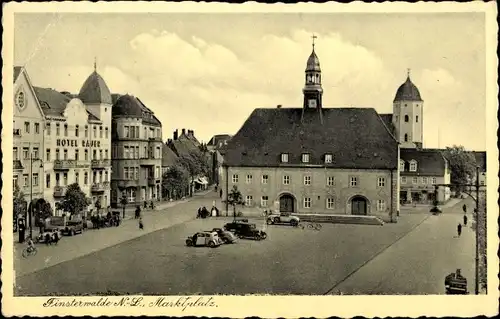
(99, 187)
(18, 165)
(155, 139)
(103, 163)
(17, 132)
(150, 161)
(129, 183)
(58, 191)
(64, 164)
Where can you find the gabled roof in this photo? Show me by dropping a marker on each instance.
(429, 161)
(356, 137)
(168, 157)
(131, 106)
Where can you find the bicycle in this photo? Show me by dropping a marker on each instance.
(29, 252)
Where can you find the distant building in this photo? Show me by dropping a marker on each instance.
(215, 147)
(314, 159)
(136, 152)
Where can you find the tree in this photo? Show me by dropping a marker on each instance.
(195, 164)
(462, 165)
(74, 201)
(235, 198)
(176, 179)
(20, 204)
(41, 211)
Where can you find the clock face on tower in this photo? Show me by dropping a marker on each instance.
(312, 103)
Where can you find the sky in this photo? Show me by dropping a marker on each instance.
(207, 71)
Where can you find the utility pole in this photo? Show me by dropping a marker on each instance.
(477, 231)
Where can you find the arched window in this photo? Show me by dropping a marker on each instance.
(407, 118)
(406, 137)
(413, 166)
(416, 118)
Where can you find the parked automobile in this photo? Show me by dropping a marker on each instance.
(204, 238)
(41, 238)
(226, 236)
(244, 229)
(73, 227)
(283, 218)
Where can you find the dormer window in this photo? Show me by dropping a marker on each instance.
(305, 158)
(413, 166)
(402, 165)
(328, 158)
(284, 158)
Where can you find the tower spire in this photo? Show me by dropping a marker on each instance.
(95, 64)
(408, 72)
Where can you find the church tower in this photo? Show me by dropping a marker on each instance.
(408, 115)
(313, 91)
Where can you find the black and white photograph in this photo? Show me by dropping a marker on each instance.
(192, 155)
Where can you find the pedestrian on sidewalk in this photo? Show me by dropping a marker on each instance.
(465, 220)
(220, 193)
(141, 225)
(137, 212)
(459, 229)
(465, 208)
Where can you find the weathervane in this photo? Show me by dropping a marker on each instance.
(314, 38)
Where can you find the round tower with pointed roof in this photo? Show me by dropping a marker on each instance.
(313, 91)
(408, 115)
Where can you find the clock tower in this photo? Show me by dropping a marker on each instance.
(313, 91)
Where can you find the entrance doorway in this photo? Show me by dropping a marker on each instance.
(358, 205)
(286, 203)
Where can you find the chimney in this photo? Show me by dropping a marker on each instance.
(279, 106)
(183, 131)
(169, 141)
(176, 134)
(192, 133)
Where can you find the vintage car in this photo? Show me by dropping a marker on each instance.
(226, 236)
(282, 218)
(244, 229)
(204, 238)
(455, 284)
(41, 238)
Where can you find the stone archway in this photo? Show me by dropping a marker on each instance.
(359, 205)
(287, 203)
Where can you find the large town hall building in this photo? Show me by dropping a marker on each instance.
(315, 159)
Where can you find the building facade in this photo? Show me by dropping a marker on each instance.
(215, 147)
(315, 159)
(136, 153)
(28, 137)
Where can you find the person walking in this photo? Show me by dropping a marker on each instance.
(459, 229)
(141, 225)
(465, 220)
(137, 212)
(220, 193)
(464, 208)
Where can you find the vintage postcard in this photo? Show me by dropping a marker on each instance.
(220, 160)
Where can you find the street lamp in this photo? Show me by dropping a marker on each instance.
(30, 212)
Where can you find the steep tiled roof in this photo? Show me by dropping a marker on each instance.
(95, 90)
(429, 161)
(168, 157)
(313, 63)
(17, 71)
(217, 139)
(356, 137)
(128, 105)
(407, 92)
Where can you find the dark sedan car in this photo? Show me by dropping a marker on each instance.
(226, 236)
(244, 229)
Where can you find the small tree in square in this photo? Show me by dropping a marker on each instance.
(235, 198)
(20, 204)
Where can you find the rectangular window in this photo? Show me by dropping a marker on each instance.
(424, 180)
(65, 129)
(37, 128)
(265, 179)
(35, 153)
(94, 128)
(47, 155)
(77, 130)
(48, 130)
(354, 181)
(307, 180)
(57, 154)
(402, 166)
(100, 131)
(65, 156)
(94, 154)
(77, 178)
(106, 132)
(381, 205)
(330, 181)
(414, 180)
(235, 178)
(57, 179)
(47, 181)
(403, 179)
(58, 129)
(249, 179)
(26, 153)
(263, 201)
(416, 119)
(86, 131)
(413, 167)
(305, 158)
(107, 157)
(27, 127)
(286, 180)
(15, 181)
(248, 200)
(26, 180)
(65, 178)
(106, 176)
(328, 158)
(481, 183)
(381, 182)
(307, 202)
(86, 178)
(125, 173)
(35, 179)
(330, 203)
(86, 155)
(15, 156)
(137, 173)
(100, 154)
(284, 158)
(434, 180)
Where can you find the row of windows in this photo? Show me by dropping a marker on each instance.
(412, 168)
(27, 127)
(132, 173)
(77, 130)
(306, 158)
(132, 151)
(307, 202)
(407, 118)
(286, 180)
(133, 131)
(424, 180)
(102, 154)
(97, 177)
